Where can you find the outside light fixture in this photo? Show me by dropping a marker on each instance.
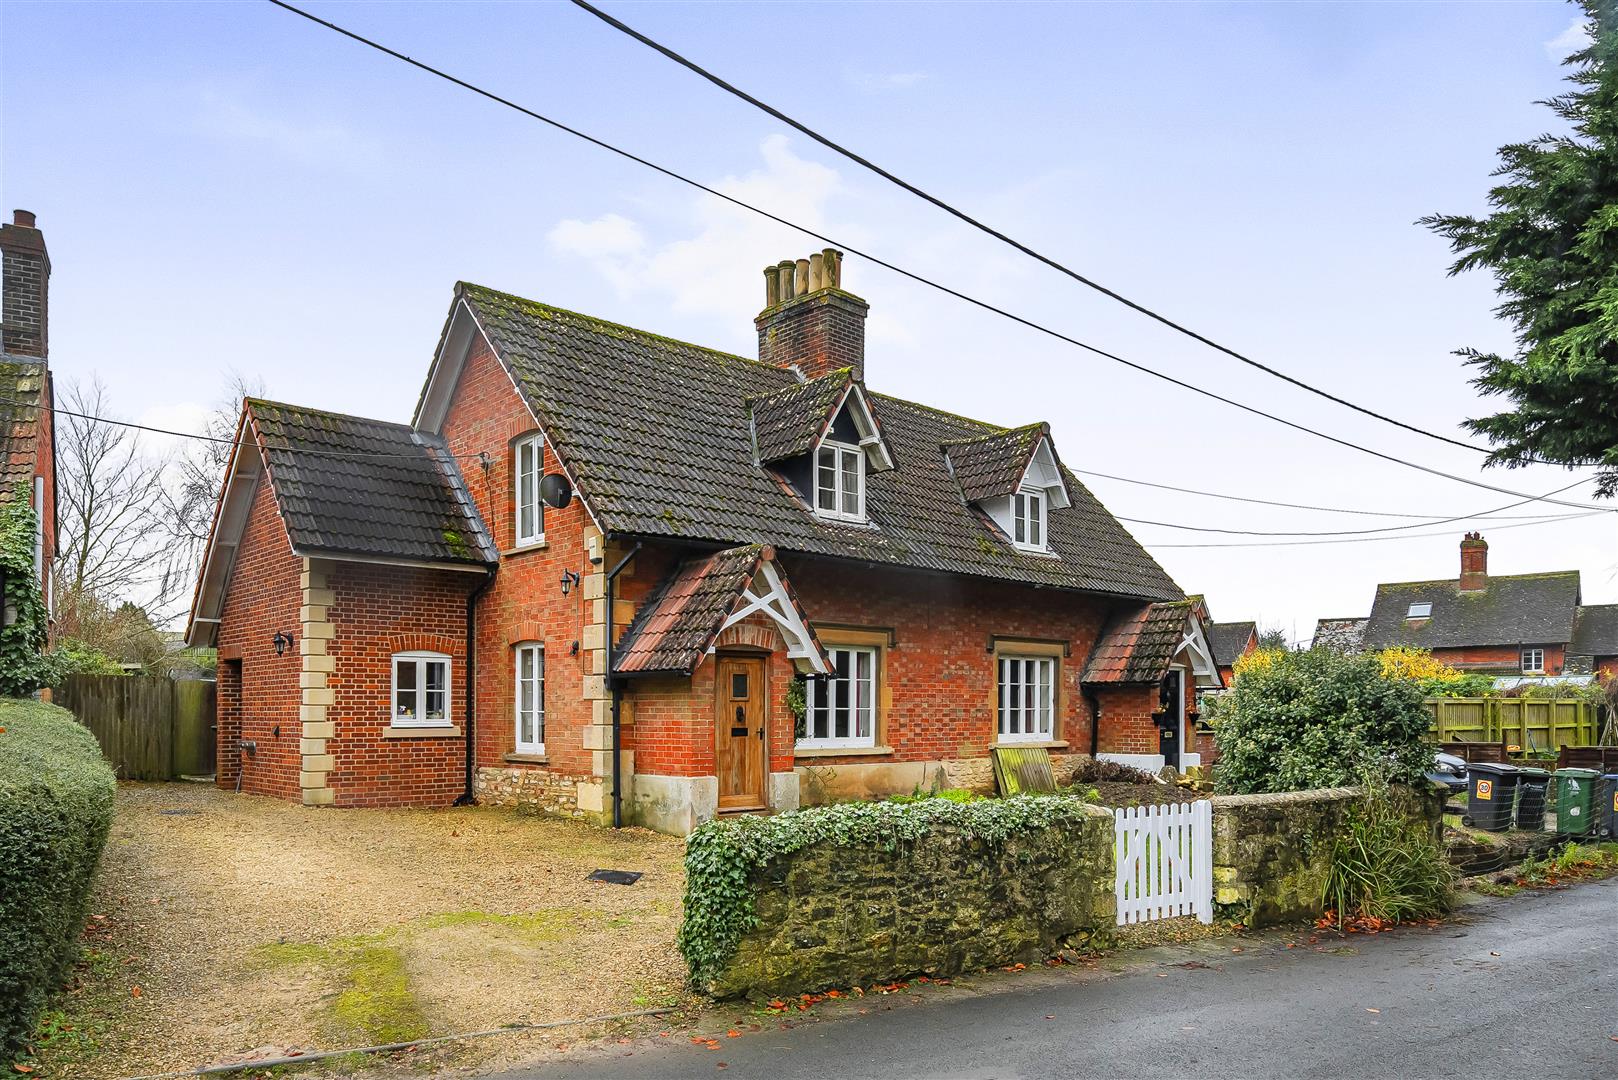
(283, 642)
(569, 580)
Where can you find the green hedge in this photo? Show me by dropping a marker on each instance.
(56, 794)
(721, 856)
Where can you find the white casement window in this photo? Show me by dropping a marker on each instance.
(528, 510)
(530, 698)
(840, 481)
(1027, 698)
(420, 689)
(841, 707)
(1533, 661)
(1028, 519)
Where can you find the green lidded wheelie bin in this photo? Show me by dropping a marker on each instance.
(1605, 819)
(1575, 796)
(1490, 791)
(1531, 785)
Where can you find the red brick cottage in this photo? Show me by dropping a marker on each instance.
(27, 430)
(815, 591)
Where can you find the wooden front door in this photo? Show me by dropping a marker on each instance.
(739, 724)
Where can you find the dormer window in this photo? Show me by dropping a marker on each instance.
(1420, 611)
(1028, 519)
(840, 481)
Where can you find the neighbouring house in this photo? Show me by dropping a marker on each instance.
(1528, 625)
(27, 430)
(616, 576)
(1230, 642)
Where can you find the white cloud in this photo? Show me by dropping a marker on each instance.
(892, 80)
(187, 417)
(1571, 40)
(226, 114)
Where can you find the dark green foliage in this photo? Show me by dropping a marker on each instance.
(722, 856)
(1551, 242)
(1470, 684)
(1386, 866)
(22, 669)
(1319, 719)
(56, 796)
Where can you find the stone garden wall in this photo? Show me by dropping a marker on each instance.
(1271, 853)
(838, 915)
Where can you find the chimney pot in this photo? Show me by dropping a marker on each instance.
(772, 287)
(25, 218)
(784, 270)
(803, 277)
(817, 274)
(832, 260)
(809, 324)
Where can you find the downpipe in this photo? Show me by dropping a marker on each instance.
(610, 593)
(467, 798)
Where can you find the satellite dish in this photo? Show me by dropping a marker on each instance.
(555, 491)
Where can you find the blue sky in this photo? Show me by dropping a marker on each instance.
(225, 187)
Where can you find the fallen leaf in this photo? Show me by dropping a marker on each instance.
(20, 1067)
(1050, 1016)
(134, 991)
(731, 1034)
(1373, 1010)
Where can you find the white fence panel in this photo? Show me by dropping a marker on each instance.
(1165, 861)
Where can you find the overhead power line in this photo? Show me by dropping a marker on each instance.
(909, 274)
(1363, 532)
(962, 215)
(1372, 539)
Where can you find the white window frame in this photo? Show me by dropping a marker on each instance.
(839, 491)
(1025, 685)
(536, 649)
(1030, 519)
(820, 691)
(422, 660)
(1536, 666)
(535, 443)
(1419, 611)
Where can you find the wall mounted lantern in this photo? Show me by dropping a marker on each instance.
(569, 580)
(283, 642)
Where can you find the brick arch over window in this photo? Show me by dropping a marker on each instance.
(438, 643)
(527, 630)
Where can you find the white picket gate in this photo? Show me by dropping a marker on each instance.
(1165, 861)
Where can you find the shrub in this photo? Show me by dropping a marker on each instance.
(1099, 771)
(1386, 867)
(721, 857)
(22, 640)
(1319, 719)
(959, 795)
(56, 796)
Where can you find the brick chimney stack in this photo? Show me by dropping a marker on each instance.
(809, 323)
(25, 278)
(1474, 562)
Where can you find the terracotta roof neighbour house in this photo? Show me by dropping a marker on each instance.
(1508, 610)
(348, 485)
(1139, 646)
(1341, 635)
(678, 623)
(21, 381)
(658, 436)
(1229, 640)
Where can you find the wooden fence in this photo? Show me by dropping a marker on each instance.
(149, 728)
(1523, 724)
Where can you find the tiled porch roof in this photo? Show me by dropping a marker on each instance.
(1139, 646)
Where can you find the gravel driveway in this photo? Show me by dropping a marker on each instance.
(229, 922)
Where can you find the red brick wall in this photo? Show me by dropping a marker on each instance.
(227, 722)
(1504, 658)
(376, 612)
(264, 597)
(1126, 719)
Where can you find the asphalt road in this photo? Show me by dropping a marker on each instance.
(1524, 987)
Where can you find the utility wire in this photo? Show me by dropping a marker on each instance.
(1425, 518)
(961, 215)
(1363, 532)
(1369, 539)
(911, 275)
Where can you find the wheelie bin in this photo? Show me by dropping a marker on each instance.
(1575, 797)
(1531, 786)
(1490, 791)
(1605, 817)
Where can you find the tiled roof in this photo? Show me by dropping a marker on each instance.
(1229, 640)
(992, 465)
(21, 380)
(1138, 647)
(656, 434)
(348, 485)
(787, 422)
(677, 624)
(1511, 609)
(1341, 635)
(1595, 631)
